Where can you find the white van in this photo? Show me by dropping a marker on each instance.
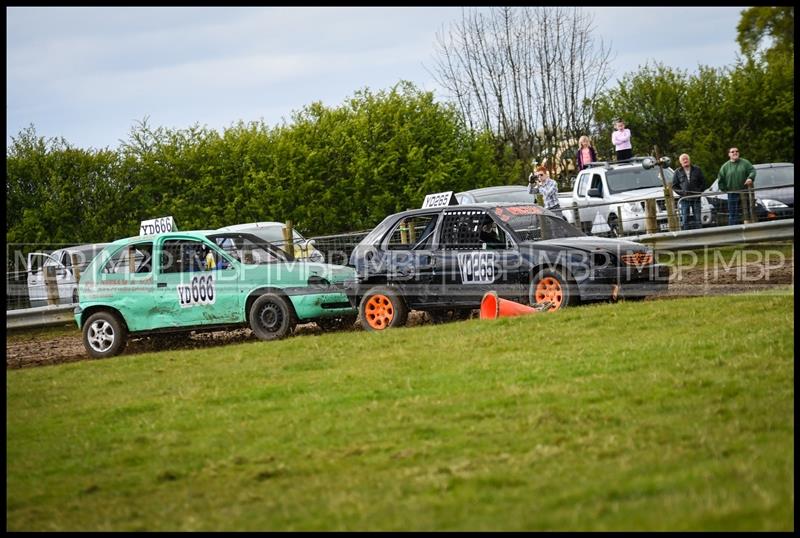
(61, 259)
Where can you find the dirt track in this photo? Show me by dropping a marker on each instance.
(684, 283)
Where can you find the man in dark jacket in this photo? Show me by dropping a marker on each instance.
(688, 182)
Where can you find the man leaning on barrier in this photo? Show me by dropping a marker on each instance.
(688, 182)
(734, 177)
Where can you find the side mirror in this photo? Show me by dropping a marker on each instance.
(594, 193)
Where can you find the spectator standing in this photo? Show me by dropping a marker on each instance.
(688, 182)
(734, 176)
(541, 183)
(586, 154)
(621, 138)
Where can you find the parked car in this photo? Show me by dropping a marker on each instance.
(444, 259)
(616, 192)
(201, 280)
(501, 193)
(773, 191)
(61, 260)
(273, 232)
(626, 205)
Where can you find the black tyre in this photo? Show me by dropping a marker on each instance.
(336, 323)
(104, 335)
(554, 287)
(271, 317)
(381, 308)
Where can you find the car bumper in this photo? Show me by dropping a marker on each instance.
(625, 281)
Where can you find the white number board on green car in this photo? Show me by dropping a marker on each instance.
(157, 226)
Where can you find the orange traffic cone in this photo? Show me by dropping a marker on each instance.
(493, 307)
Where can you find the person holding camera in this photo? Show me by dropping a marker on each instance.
(540, 182)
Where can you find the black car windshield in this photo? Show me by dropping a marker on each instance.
(635, 177)
(775, 177)
(531, 223)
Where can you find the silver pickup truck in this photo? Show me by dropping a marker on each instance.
(609, 197)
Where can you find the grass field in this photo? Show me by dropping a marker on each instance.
(673, 414)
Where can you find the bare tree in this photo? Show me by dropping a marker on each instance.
(531, 75)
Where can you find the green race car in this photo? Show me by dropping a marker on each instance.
(203, 280)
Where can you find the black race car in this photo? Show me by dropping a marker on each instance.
(444, 259)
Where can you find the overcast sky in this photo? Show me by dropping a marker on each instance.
(89, 74)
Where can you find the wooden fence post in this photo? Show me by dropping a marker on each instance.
(576, 214)
(288, 239)
(76, 271)
(51, 284)
(746, 201)
(650, 222)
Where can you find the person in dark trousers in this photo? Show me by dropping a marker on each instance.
(586, 154)
(688, 182)
(734, 177)
(621, 138)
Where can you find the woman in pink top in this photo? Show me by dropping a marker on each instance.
(621, 138)
(586, 154)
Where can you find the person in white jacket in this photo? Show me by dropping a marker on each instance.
(621, 138)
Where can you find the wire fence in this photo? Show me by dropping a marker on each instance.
(337, 248)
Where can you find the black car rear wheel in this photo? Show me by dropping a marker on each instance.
(554, 287)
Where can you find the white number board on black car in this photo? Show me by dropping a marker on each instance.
(476, 267)
(157, 226)
(439, 199)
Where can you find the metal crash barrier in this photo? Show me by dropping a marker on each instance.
(40, 316)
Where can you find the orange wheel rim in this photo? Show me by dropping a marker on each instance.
(549, 289)
(379, 312)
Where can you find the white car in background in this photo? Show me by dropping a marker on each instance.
(62, 262)
(272, 232)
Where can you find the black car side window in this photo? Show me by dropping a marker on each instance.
(412, 233)
(461, 230)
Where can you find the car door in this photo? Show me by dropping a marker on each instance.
(188, 293)
(475, 254)
(589, 205)
(125, 282)
(409, 258)
(37, 263)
